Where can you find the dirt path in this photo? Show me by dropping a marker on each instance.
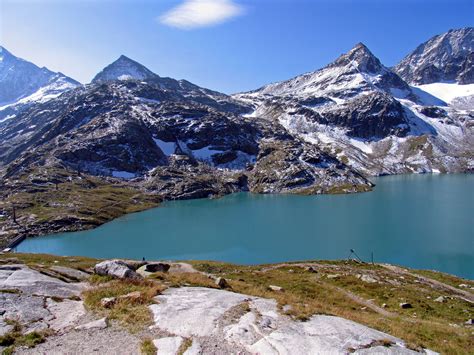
(464, 295)
(362, 301)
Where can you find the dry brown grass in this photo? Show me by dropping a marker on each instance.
(183, 279)
(133, 313)
(429, 324)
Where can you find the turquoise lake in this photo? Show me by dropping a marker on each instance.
(419, 221)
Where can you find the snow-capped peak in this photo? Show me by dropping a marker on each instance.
(20, 79)
(354, 72)
(124, 68)
(448, 57)
(361, 58)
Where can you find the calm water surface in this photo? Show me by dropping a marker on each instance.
(420, 221)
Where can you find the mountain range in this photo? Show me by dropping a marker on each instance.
(325, 131)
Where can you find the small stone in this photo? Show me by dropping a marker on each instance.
(463, 286)
(440, 299)
(132, 296)
(97, 324)
(406, 305)
(384, 305)
(275, 288)
(291, 271)
(333, 276)
(222, 283)
(311, 269)
(108, 302)
(287, 308)
(470, 322)
(368, 279)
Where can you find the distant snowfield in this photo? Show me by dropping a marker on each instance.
(447, 91)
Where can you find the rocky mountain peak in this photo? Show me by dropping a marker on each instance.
(3, 52)
(361, 58)
(19, 79)
(353, 73)
(124, 68)
(447, 57)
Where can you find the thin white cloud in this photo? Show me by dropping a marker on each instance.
(201, 13)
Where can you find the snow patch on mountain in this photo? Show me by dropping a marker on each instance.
(168, 148)
(205, 154)
(448, 91)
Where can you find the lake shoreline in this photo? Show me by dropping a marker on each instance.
(285, 215)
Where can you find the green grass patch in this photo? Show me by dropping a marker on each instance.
(148, 348)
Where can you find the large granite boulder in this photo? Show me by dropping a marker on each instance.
(116, 268)
(157, 267)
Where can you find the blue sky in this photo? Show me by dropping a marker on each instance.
(225, 45)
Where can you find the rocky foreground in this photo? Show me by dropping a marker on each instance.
(63, 305)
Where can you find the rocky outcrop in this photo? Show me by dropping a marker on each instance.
(217, 321)
(370, 117)
(295, 166)
(37, 302)
(29, 281)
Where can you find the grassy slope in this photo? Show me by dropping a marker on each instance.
(56, 200)
(335, 289)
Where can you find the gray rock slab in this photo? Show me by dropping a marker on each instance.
(71, 273)
(65, 313)
(210, 314)
(189, 311)
(33, 282)
(23, 308)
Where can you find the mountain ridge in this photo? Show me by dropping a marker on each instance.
(355, 97)
(15, 86)
(327, 131)
(447, 57)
